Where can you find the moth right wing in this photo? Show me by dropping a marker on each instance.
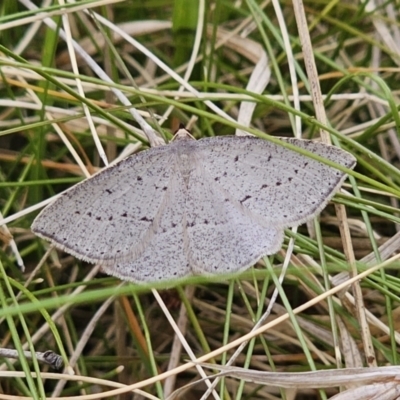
(281, 185)
(223, 235)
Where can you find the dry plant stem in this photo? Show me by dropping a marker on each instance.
(313, 379)
(75, 70)
(71, 378)
(371, 318)
(37, 269)
(111, 147)
(125, 318)
(291, 64)
(340, 209)
(176, 350)
(134, 323)
(13, 246)
(48, 357)
(311, 67)
(351, 353)
(71, 168)
(385, 250)
(360, 308)
(183, 341)
(83, 341)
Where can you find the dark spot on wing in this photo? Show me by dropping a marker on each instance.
(296, 171)
(217, 179)
(89, 214)
(108, 191)
(110, 218)
(305, 164)
(191, 224)
(146, 219)
(205, 222)
(264, 186)
(236, 159)
(98, 218)
(278, 183)
(77, 212)
(290, 179)
(124, 214)
(269, 158)
(245, 198)
(139, 178)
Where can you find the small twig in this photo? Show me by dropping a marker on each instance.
(48, 357)
(176, 350)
